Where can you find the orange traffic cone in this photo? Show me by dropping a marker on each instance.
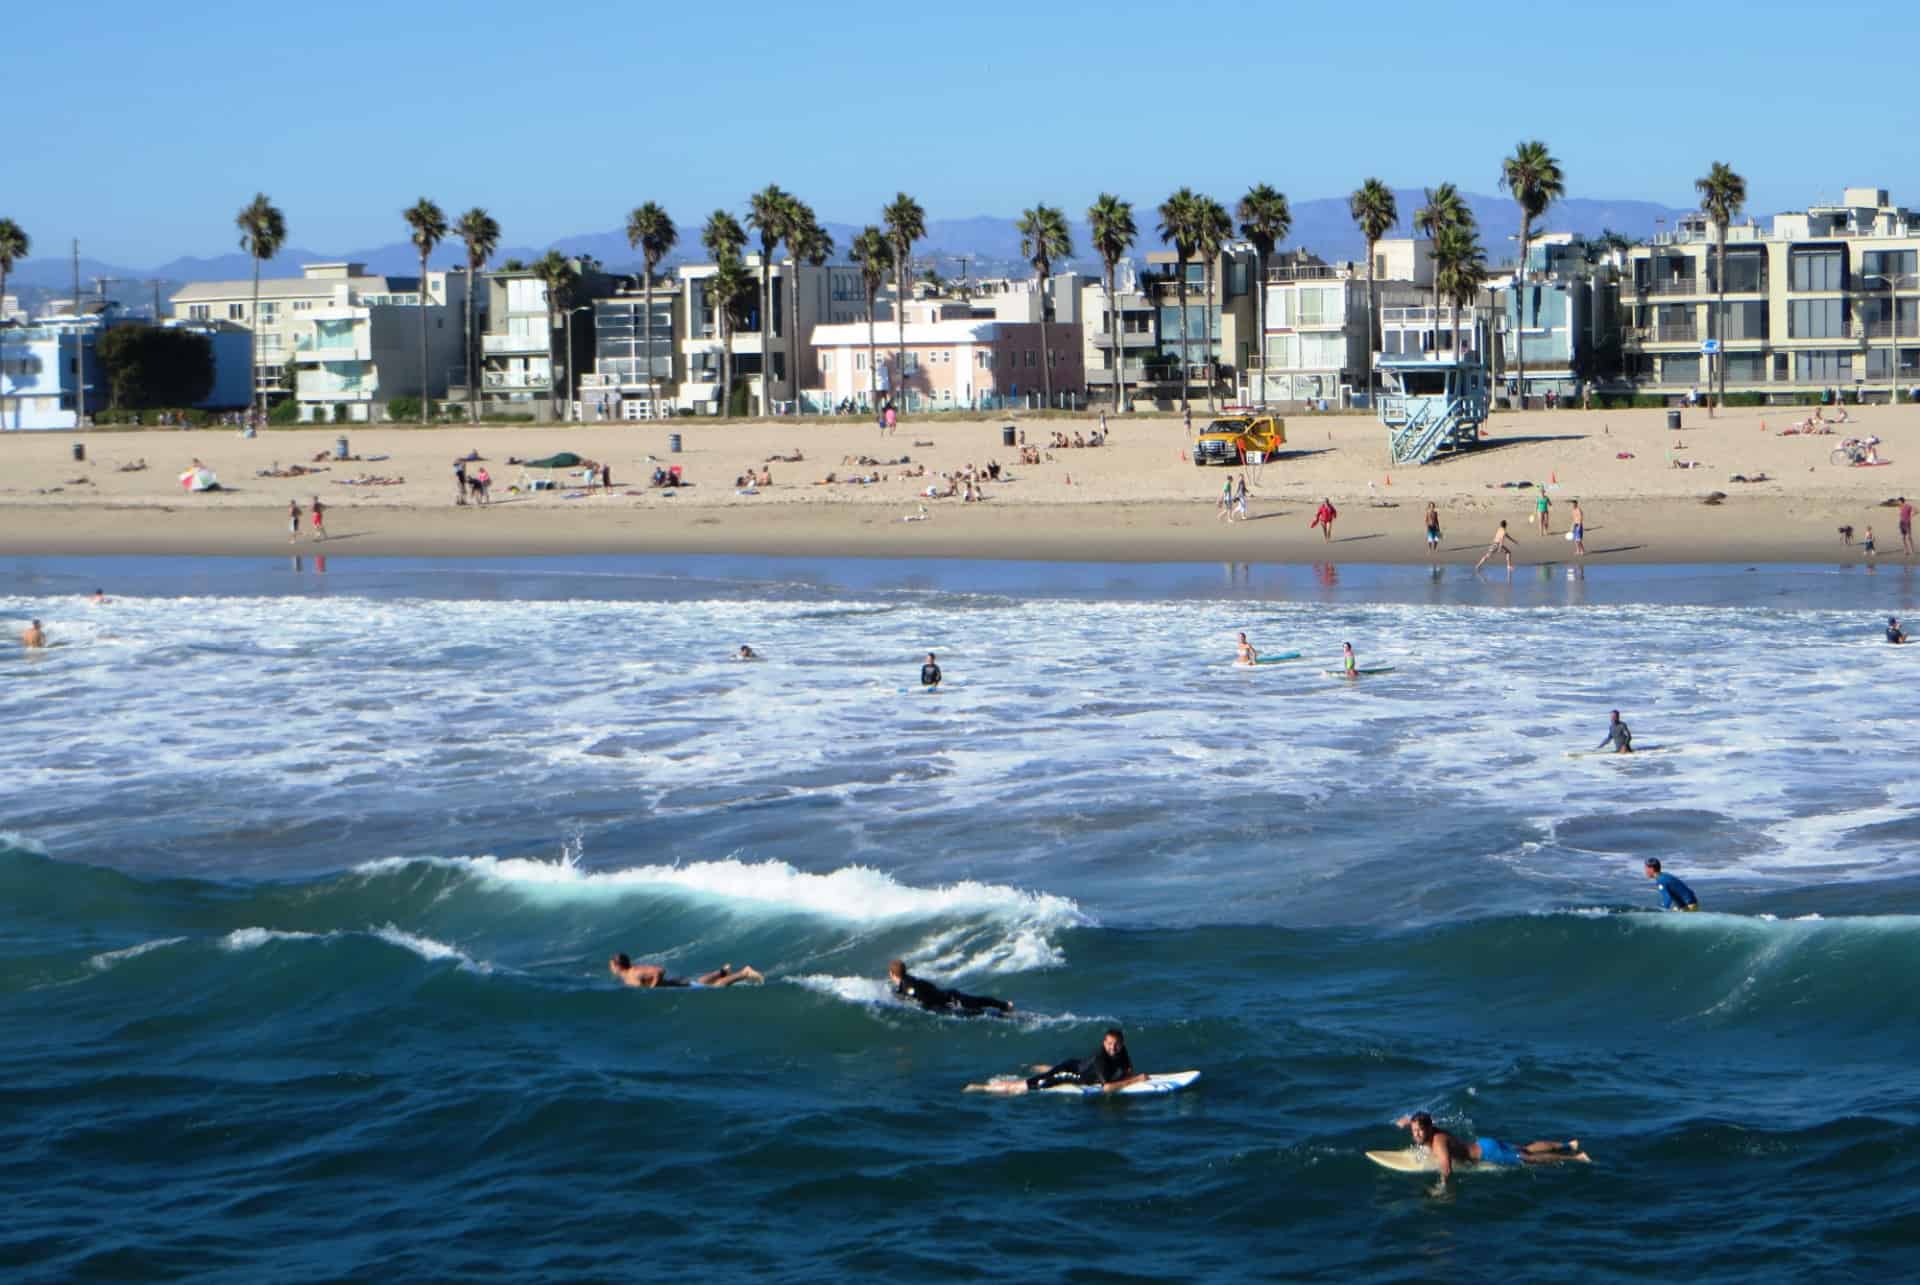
(1389, 479)
(1553, 479)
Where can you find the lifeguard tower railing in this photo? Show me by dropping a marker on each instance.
(1431, 407)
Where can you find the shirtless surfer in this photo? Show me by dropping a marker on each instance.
(33, 635)
(1449, 1151)
(653, 976)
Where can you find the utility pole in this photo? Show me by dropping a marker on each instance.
(100, 285)
(155, 283)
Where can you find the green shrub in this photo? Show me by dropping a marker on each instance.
(285, 411)
(404, 410)
(340, 413)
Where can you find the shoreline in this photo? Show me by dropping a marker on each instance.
(1755, 530)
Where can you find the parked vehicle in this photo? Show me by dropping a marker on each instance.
(1229, 440)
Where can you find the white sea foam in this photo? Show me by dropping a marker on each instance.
(108, 958)
(254, 938)
(429, 949)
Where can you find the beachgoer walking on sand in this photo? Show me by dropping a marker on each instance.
(1433, 528)
(1503, 543)
(482, 486)
(293, 521)
(1323, 518)
(319, 519)
(1579, 530)
(1186, 419)
(1223, 507)
(1240, 498)
(1867, 543)
(893, 419)
(1906, 527)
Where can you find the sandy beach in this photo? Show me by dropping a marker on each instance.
(1140, 498)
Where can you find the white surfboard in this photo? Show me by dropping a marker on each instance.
(1420, 1160)
(1612, 754)
(1170, 1082)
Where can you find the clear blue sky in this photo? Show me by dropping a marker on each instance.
(142, 130)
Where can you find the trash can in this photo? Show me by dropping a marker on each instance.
(80, 451)
(1007, 435)
(673, 443)
(1673, 419)
(339, 448)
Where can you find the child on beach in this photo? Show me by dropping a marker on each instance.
(319, 519)
(1433, 528)
(1867, 543)
(293, 521)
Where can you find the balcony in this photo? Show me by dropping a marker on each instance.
(1128, 339)
(1681, 332)
(516, 379)
(1909, 329)
(1306, 272)
(1675, 286)
(515, 344)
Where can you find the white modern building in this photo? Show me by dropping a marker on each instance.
(359, 348)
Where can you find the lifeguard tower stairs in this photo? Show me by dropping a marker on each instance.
(1432, 407)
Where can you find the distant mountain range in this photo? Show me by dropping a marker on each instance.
(1321, 225)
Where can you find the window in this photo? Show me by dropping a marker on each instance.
(1748, 319)
(269, 311)
(526, 294)
(1881, 262)
(236, 312)
(1030, 359)
(826, 362)
(912, 362)
(1746, 367)
(1830, 366)
(1746, 271)
(1681, 369)
(303, 305)
(1323, 351)
(1816, 318)
(198, 311)
(859, 361)
(1817, 269)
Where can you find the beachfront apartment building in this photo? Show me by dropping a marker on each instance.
(1561, 311)
(524, 357)
(829, 295)
(38, 376)
(358, 347)
(953, 359)
(1218, 335)
(286, 308)
(1819, 302)
(621, 384)
(1117, 341)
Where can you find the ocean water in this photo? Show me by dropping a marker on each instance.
(310, 878)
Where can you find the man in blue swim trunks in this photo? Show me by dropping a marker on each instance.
(1674, 895)
(1449, 1151)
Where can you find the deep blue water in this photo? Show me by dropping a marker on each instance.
(308, 880)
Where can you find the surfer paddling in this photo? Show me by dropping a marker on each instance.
(653, 976)
(1449, 1151)
(1619, 735)
(937, 999)
(1110, 1068)
(1895, 634)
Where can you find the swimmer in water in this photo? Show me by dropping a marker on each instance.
(653, 976)
(1248, 653)
(748, 653)
(1895, 634)
(930, 673)
(33, 635)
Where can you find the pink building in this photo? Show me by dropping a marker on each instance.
(952, 362)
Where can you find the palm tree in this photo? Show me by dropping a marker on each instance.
(1212, 229)
(812, 246)
(481, 235)
(1374, 208)
(729, 286)
(1179, 223)
(559, 276)
(1459, 269)
(429, 230)
(770, 212)
(1265, 220)
(874, 255)
(263, 230)
(1044, 238)
(1534, 178)
(724, 238)
(906, 223)
(14, 246)
(1445, 208)
(1110, 221)
(1722, 193)
(651, 232)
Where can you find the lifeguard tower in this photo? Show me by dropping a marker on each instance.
(1432, 406)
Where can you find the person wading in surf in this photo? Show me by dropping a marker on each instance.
(1619, 735)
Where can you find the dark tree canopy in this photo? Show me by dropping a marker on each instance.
(155, 368)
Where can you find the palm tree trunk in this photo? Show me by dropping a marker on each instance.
(466, 329)
(1206, 339)
(553, 385)
(646, 290)
(766, 334)
(899, 384)
(1262, 286)
(426, 385)
(726, 365)
(253, 321)
(793, 333)
(1181, 287)
(1720, 330)
(1119, 348)
(873, 371)
(1520, 308)
(1046, 368)
(1370, 325)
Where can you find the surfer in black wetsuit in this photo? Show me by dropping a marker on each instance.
(1110, 1068)
(1619, 735)
(938, 999)
(930, 673)
(1895, 634)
